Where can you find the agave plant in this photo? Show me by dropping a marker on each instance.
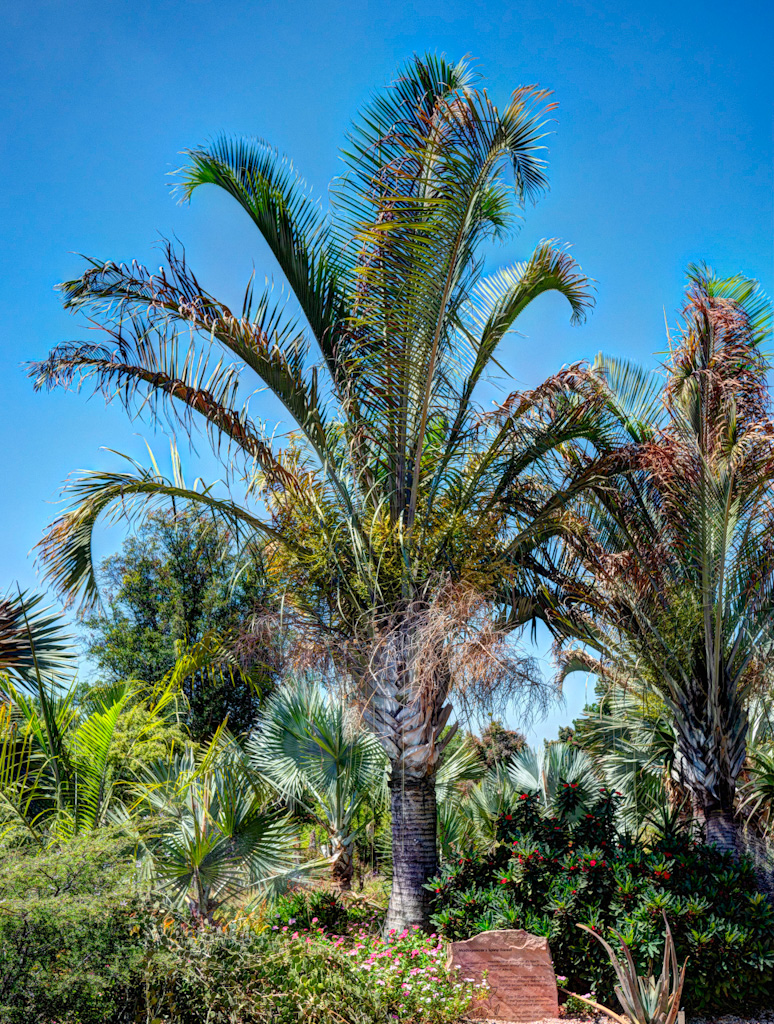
(671, 572)
(397, 517)
(323, 763)
(647, 1000)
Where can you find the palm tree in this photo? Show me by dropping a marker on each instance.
(219, 835)
(397, 517)
(674, 566)
(32, 640)
(323, 763)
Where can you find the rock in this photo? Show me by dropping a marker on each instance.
(519, 973)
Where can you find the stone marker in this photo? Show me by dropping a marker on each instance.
(519, 972)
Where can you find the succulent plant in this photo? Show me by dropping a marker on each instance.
(647, 1000)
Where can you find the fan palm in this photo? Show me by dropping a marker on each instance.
(631, 740)
(544, 772)
(219, 837)
(395, 499)
(674, 566)
(322, 762)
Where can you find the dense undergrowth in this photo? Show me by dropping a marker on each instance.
(79, 945)
(547, 873)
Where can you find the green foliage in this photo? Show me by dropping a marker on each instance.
(318, 908)
(70, 943)
(548, 872)
(57, 778)
(173, 582)
(496, 743)
(240, 975)
(140, 738)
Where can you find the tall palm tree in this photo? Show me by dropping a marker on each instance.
(674, 565)
(397, 515)
(322, 762)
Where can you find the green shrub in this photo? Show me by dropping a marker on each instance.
(547, 874)
(71, 947)
(80, 945)
(238, 974)
(307, 908)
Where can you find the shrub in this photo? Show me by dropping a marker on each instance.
(546, 874)
(240, 974)
(306, 908)
(80, 945)
(71, 947)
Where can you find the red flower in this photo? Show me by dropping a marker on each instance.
(593, 863)
(508, 817)
(665, 875)
(523, 796)
(503, 881)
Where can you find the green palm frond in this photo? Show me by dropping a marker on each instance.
(218, 837)
(33, 640)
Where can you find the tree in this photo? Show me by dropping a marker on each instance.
(674, 565)
(173, 581)
(323, 763)
(406, 525)
(496, 743)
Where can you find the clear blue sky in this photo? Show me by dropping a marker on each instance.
(662, 155)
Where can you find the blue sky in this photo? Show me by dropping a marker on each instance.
(662, 155)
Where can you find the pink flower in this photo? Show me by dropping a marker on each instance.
(314, 920)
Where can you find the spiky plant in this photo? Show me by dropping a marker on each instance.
(397, 517)
(646, 1000)
(33, 640)
(671, 570)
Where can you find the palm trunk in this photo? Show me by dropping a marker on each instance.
(414, 852)
(343, 865)
(408, 711)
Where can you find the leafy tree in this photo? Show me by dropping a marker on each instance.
(408, 528)
(496, 743)
(673, 567)
(173, 582)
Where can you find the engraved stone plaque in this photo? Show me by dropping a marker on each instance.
(519, 972)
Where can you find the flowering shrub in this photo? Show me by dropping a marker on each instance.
(327, 909)
(547, 874)
(284, 976)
